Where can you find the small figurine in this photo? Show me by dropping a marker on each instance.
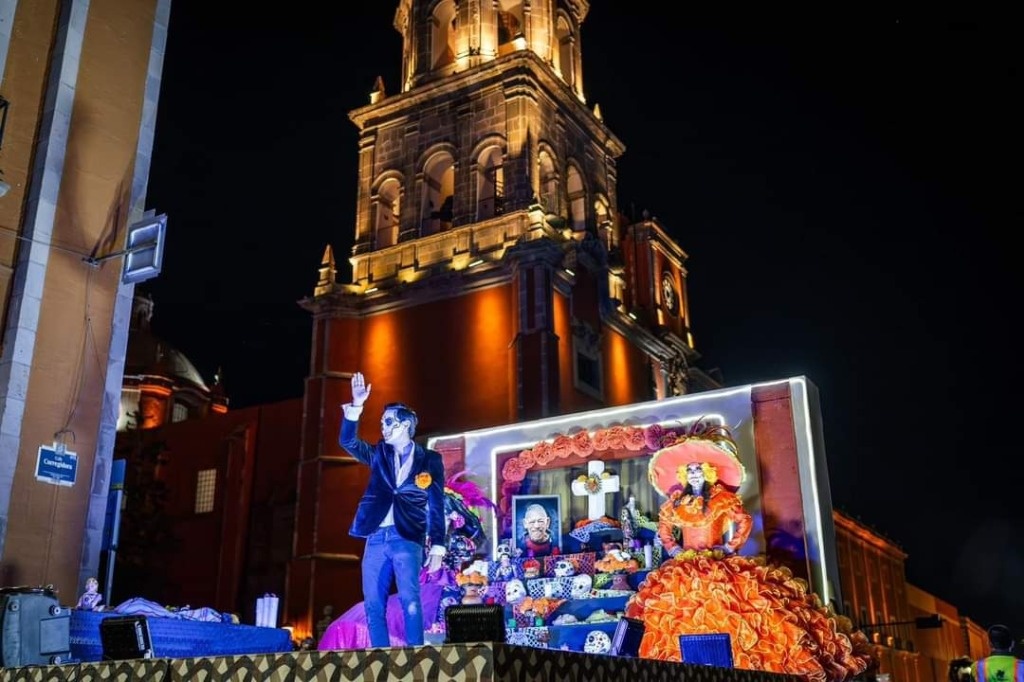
(91, 599)
(473, 581)
(325, 621)
(627, 517)
(505, 570)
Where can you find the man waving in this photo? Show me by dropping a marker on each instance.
(401, 512)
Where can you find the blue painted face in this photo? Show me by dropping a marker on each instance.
(391, 428)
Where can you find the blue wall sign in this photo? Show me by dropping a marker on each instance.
(56, 466)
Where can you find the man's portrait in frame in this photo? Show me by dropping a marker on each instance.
(537, 528)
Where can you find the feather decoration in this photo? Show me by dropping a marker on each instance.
(471, 493)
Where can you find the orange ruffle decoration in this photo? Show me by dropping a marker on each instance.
(774, 623)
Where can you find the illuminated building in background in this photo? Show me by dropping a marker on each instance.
(160, 384)
(915, 634)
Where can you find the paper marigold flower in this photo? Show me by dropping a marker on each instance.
(423, 480)
(582, 445)
(635, 439)
(543, 453)
(562, 446)
(513, 470)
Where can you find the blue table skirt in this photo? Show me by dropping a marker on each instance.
(178, 638)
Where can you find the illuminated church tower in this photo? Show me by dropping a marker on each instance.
(493, 278)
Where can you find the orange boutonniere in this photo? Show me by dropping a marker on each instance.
(423, 480)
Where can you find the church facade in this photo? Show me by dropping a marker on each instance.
(494, 278)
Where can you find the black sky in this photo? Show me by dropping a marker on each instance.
(841, 184)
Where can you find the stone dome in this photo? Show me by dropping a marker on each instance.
(148, 355)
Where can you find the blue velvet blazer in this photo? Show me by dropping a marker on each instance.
(419, 512)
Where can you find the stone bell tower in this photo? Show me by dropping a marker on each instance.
(490, 121)
(492, 277)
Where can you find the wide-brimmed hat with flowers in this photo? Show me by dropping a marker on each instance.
(702, 443)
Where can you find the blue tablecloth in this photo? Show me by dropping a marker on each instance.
(179, 638)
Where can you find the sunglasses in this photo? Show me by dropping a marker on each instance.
(390, 421)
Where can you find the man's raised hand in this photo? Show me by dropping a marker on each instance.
(360, 389)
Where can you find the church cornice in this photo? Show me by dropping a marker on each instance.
(580, 8)
(661, 242)
(346, 303)
(522, 70)
(644, 339)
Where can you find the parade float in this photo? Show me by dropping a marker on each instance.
(700, 515)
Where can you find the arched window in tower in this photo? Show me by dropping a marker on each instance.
(563, 52)
(388, 213)
(605, 226)
(510, 25)
(548, 184)
(490, 184)
(443, 34)
(577, 200)
(438, 194)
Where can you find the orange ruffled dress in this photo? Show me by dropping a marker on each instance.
(775, 624)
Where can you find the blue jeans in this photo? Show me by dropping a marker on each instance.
(388, 554)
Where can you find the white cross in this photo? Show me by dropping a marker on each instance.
(596, 499)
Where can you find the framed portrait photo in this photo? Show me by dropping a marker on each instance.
(537, 524)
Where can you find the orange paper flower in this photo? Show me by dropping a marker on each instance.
(423, 480)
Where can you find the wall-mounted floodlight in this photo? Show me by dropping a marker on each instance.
(143, 252)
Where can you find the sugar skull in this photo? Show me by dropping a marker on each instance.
(460, 550)
(598, 642)
(564, 568)
(514, 590)
(581, 586)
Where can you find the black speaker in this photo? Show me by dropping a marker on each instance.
(474, 623)
(629, 632)
(125, 637)
(34, 628)
(713, 649)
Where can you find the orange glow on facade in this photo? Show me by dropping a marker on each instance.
(381, 358)
(618, 371)
(488, 314)
(563, 331)
(155, 389)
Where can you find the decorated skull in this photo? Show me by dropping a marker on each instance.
(581, 585)
(460, 550)
(598, 642)
(514, 590)
(564, 568)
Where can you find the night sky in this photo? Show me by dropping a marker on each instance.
(841, 184)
